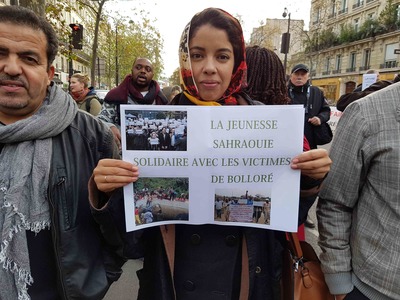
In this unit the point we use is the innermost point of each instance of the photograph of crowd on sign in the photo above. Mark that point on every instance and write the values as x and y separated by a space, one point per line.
161 199
234 206
156 130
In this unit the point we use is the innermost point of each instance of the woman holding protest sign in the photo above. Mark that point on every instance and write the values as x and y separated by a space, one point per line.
204 261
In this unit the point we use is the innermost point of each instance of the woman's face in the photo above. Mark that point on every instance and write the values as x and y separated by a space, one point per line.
212 61
75 85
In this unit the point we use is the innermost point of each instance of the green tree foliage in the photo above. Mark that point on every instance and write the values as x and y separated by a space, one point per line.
54 14
370 28
38 6
327 38
124 40
347 34
179 185
175 79
388 18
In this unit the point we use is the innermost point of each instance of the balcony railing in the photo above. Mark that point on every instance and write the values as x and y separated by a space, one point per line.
368 1
326 72
389 64
352 69
364 68
342 11
336 71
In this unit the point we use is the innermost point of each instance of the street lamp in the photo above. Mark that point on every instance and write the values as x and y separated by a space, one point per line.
286 38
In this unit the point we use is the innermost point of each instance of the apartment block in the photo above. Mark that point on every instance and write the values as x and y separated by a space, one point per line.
349 37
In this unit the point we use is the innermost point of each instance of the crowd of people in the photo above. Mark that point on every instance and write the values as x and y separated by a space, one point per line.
61 177
156 135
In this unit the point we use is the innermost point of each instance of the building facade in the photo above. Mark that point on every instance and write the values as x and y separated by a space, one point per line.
349 37
270 34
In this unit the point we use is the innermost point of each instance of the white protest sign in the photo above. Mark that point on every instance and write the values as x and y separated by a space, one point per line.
368 79
239 155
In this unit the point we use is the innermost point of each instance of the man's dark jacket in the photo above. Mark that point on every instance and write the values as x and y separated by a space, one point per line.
349 98
316 106
86 265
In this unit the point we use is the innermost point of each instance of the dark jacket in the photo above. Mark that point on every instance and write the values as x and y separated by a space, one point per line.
349 98
314 102
215 273
126 93
86 265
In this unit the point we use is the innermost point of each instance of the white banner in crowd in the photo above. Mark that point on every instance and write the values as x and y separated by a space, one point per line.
227 165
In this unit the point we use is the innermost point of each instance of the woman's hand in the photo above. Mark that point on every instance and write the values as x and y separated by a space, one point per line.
111 174
314 163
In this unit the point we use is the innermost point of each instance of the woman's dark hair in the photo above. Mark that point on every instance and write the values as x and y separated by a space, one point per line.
221 20
19 15
266 79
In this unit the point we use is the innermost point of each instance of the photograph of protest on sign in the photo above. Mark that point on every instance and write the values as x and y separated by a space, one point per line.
161 199
236 206
156 130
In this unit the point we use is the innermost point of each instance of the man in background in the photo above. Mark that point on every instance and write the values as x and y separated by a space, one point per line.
317 111
137 88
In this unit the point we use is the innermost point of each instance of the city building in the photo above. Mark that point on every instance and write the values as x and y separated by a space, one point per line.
270 34
349 37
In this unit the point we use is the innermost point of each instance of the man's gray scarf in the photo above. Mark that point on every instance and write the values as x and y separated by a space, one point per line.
24 175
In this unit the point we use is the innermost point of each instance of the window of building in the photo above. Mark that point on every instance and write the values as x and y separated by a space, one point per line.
366 59
338 62
356 24
390 57
352 61
316 15
343 7
327 64
398 11
333 8
358 3
62 64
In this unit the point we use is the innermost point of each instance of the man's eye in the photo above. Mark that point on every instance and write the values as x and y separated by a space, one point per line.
148 69
30 59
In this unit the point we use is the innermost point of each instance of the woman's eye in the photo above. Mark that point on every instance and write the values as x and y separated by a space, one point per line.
224 57
196 56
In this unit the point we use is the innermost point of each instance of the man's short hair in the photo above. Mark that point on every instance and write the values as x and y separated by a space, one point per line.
22 16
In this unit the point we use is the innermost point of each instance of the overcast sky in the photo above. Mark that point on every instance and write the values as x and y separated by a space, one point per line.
172 16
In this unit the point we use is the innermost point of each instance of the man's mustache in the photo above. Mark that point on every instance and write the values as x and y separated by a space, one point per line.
5 79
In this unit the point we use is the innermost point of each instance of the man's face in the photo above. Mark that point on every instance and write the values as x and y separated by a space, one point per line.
24 75
142 74
299 77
